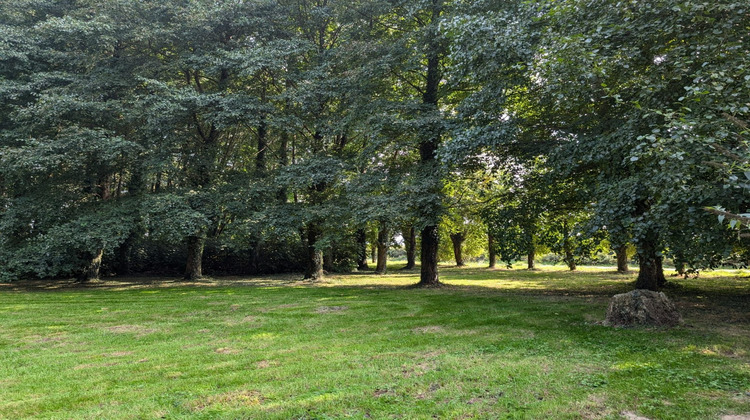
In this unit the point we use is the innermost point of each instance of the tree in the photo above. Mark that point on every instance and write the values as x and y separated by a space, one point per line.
629 124
67 148
462 228
515 225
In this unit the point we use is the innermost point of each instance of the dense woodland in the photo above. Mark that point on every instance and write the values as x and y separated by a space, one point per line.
259 136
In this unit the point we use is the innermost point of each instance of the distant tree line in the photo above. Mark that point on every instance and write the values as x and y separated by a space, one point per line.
259 136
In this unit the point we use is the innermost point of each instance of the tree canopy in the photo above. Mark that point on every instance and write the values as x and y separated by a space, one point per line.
279 135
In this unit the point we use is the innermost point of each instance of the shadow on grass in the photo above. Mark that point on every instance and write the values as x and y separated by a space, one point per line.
550 280
722 294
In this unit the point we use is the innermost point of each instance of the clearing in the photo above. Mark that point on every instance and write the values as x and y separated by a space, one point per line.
491 344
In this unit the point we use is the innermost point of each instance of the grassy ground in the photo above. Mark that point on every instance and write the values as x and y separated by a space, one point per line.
492 344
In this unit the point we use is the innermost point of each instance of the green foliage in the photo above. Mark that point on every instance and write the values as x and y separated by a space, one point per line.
568 235
252 123
648 148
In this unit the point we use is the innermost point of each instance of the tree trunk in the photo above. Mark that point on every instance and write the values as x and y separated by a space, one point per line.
429 273
157 183
491 250
373 253
91 272
570 260
314 269
622 258
194 266
383 238
458 241
679 266
361 250
660 279
650 271
650 274
647 275
427 153
410 241
530 256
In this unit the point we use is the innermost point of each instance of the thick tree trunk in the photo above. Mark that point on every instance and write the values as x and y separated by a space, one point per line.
530 257
410 241
679 266
429 273
383 238
458 241
650 274
491 250
314 269
660 279
200 170
91 272
361 250
427 154
622 258
194 266
570 260
647 275
650 271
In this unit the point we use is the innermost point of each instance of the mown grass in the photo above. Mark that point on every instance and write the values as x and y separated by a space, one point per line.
491 344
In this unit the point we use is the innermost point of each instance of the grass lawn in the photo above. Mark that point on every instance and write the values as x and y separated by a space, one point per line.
491 344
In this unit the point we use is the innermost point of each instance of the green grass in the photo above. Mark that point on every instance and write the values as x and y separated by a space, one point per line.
492 344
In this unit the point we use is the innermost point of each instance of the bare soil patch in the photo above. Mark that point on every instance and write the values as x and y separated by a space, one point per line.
226 350
418 369
433 329
138 330
55 340
234 399
264 364
380 392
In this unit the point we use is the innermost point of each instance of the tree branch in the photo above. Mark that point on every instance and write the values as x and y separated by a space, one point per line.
728 215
